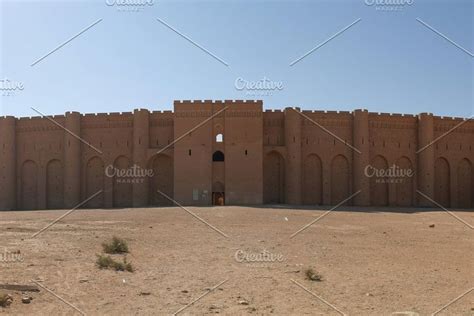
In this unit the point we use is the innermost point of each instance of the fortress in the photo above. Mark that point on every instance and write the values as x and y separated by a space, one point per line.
233 152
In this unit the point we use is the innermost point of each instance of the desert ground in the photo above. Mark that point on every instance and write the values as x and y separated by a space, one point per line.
373 261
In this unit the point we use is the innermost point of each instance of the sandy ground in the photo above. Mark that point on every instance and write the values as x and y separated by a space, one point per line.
373 261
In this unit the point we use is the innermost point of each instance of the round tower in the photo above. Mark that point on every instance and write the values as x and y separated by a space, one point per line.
425 153
72 159
293 156
141 139
361 160
7 163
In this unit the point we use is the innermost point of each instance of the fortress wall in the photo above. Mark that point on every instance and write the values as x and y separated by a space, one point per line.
270 157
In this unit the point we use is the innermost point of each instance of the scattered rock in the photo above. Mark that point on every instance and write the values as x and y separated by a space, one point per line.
243 302
369 294
26 300
408 313
5 300
184 291
144 293
432 225
83 280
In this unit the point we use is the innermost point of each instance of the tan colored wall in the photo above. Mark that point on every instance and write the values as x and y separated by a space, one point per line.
269 157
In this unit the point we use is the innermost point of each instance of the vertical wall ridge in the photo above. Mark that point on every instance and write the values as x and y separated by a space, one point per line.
361 160
72 159
8 163
293 157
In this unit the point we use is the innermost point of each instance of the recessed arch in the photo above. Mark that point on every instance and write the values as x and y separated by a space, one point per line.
465 184
162 180
312 180
95 174
339 179
29 185
442 182
273 178
379 185
404 187
122 185
54 185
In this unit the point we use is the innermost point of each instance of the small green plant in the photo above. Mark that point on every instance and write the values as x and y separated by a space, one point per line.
5 300
123 266
107 262
104 262
312 275
116 245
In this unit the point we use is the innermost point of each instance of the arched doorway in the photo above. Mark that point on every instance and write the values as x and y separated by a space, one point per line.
464 189
95 182
312 180
339 180
122 185
218 193
442 182
54 185
404 188
162 180
218 178
379 185
273 178
29 185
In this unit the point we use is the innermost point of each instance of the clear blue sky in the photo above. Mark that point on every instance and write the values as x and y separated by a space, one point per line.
387 62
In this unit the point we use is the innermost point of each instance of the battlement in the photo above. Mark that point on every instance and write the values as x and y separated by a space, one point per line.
197 102
207 105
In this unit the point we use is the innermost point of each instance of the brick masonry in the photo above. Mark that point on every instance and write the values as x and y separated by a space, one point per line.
265 157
